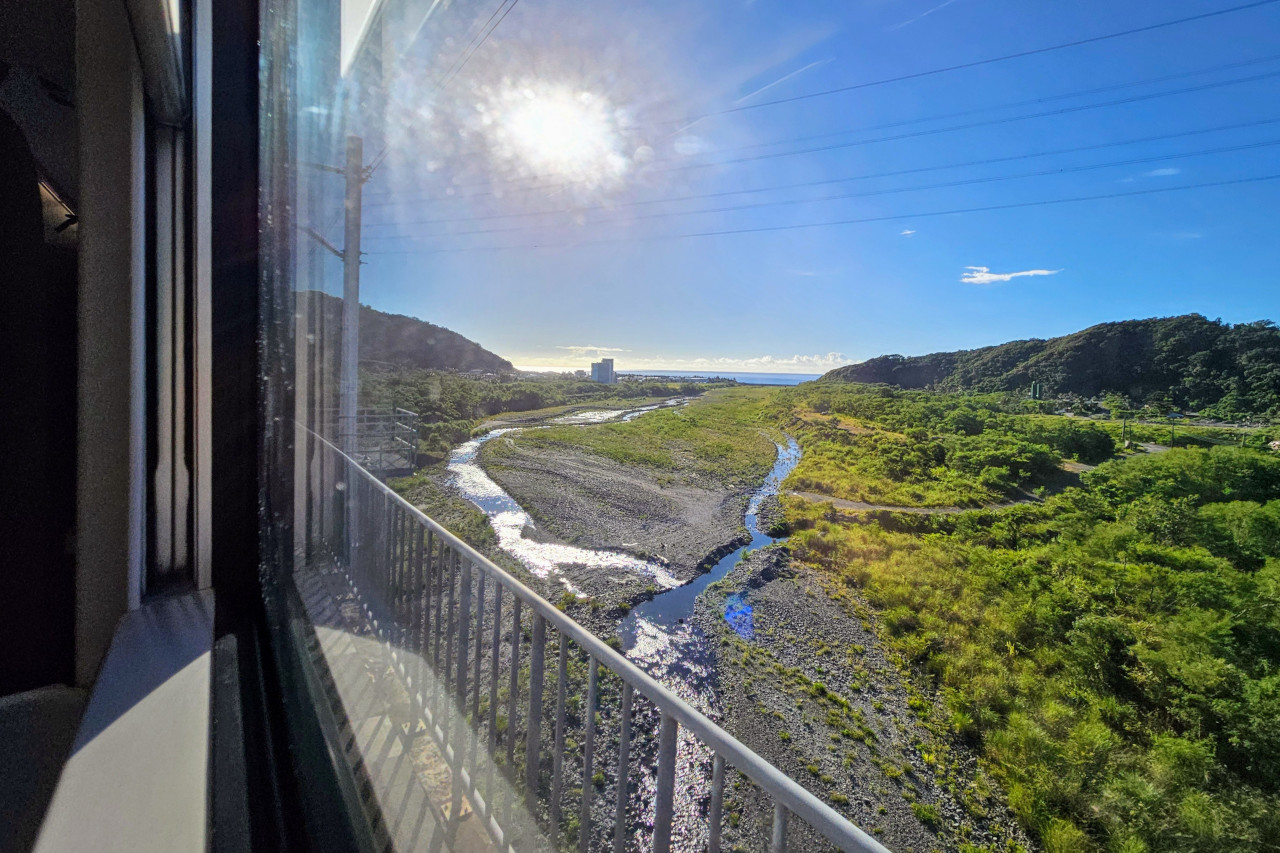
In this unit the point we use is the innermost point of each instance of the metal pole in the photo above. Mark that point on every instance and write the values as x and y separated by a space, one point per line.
349 382
666 784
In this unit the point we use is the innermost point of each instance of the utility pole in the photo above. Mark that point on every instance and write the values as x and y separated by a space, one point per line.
349 382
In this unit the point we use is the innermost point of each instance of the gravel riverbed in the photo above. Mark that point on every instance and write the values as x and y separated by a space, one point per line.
684 520
804 682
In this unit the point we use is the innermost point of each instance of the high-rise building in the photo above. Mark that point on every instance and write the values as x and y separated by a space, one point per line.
602 371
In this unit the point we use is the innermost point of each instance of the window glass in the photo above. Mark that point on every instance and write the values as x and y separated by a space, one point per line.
760 426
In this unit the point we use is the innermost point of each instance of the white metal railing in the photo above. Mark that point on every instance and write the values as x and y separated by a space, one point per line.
471 644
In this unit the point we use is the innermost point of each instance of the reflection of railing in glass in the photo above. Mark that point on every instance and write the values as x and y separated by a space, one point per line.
384 441
542 766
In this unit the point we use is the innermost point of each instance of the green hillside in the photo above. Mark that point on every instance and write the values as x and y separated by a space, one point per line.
1188 362
410 342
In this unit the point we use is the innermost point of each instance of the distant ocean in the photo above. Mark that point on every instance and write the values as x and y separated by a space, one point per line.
744 378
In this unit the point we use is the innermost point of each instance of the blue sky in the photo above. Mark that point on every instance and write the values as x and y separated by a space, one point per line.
592 260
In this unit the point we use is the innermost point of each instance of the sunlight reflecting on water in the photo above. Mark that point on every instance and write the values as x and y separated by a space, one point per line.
509 520
600 416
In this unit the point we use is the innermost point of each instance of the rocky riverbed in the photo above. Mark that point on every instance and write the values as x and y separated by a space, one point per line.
681 519
804 682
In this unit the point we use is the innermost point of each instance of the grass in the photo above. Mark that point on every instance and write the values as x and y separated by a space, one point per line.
915 449
1108 653
724 434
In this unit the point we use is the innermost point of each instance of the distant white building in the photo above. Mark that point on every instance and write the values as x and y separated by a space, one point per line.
1275 445
602 371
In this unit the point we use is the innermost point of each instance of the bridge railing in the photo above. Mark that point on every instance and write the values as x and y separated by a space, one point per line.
554 740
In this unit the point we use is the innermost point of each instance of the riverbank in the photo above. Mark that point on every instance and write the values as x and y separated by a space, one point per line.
804 682
681 519
670 487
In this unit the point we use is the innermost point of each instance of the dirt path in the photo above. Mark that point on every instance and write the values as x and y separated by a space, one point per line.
863 506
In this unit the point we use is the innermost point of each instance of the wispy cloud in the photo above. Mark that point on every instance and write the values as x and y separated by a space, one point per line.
798 363
784 78
925 14
984 275
906 232
590 351
1163 173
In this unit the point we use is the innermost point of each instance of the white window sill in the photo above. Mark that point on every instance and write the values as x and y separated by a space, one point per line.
137 778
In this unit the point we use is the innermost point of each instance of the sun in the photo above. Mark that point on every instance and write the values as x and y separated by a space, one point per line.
559 132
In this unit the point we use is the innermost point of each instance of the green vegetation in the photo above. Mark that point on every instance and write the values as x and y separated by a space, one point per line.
459 516
451 405
723 435
913 448
1112 653
1185 363
397 340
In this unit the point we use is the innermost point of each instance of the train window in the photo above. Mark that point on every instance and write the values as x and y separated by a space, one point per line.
602 512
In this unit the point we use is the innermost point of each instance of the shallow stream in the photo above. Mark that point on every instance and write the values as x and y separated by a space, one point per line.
658 635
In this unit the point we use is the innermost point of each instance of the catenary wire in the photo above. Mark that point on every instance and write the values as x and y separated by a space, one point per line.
980 62
880 139
867 193
453 71
837 222
828 181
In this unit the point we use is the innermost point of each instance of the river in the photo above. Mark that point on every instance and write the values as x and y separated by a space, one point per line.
659 634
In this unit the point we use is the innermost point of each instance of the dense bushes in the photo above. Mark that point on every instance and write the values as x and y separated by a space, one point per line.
913 448
440 397
1113 653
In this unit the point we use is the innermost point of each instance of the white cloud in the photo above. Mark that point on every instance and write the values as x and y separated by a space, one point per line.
1163 173
798 363
984 275
784 78
926 14
905 232
589 351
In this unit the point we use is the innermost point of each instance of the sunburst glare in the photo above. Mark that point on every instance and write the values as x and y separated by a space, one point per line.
557 131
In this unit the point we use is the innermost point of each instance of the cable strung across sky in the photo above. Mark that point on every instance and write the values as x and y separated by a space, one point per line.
681 167
867 193
829 181
979 62
836 222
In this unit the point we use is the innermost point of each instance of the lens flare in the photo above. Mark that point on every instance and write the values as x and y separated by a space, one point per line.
556 131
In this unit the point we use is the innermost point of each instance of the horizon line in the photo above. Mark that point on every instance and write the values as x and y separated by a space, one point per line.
658 370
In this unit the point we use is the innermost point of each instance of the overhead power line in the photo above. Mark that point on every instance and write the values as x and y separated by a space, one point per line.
836 222
897 137
482 34
829 181
988 61
869 193
1098 90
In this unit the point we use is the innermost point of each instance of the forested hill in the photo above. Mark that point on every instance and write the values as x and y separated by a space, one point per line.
1187 362
410 342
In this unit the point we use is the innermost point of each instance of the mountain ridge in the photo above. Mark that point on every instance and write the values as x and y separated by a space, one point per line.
409 341
1186 362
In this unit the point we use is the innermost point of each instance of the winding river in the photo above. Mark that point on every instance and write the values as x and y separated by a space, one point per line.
658 635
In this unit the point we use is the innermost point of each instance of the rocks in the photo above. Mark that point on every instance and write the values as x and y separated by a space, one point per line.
809 688
771 518
683 520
